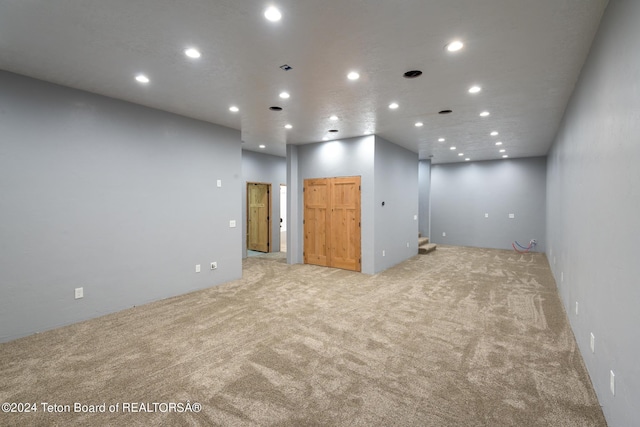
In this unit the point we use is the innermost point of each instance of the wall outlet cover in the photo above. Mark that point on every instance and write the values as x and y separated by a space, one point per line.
79 293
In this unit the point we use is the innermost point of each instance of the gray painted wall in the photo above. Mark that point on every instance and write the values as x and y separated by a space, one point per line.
113 197
349 157
268 169
396 184
424 197
593 214
462 193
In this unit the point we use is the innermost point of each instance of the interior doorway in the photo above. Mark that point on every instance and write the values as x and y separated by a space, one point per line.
258 217
283 218
331 222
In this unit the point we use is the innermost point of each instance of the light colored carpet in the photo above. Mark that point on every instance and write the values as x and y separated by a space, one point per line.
460 337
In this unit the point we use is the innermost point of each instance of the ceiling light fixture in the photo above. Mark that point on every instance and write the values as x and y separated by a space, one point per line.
234 109
192 53
272 14
141 78
460 154
393 105
284 95
441 139
485 114
333 118
503 150
353 76
325 138
467 159
419 124
499 143
288 126
505 156
494 133
455 46
475 89
452 148
262 146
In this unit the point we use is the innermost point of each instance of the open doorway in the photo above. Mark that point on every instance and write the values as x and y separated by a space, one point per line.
283 218
258 217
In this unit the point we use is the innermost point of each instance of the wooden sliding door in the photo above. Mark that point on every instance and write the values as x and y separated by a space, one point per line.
332 222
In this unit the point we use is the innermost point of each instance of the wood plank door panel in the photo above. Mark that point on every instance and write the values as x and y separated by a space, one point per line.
332 222
258 208
345 223
316 200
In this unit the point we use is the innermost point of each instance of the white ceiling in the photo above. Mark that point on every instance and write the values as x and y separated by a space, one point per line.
525 54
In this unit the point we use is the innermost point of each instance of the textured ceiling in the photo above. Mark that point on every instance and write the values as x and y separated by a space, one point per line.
526 55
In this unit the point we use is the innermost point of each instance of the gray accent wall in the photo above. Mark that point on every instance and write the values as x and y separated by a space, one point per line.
593 214
349 157
267 169
462 193
395 223
424 197
113 197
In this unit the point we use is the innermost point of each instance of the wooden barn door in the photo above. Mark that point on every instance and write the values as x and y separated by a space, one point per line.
332 222
258 216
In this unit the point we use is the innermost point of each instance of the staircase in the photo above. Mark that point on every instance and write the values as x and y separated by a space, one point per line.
424 247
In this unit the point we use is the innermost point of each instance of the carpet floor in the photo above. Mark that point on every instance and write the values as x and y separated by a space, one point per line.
459 337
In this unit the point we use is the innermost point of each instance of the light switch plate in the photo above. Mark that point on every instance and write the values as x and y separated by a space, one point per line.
512 216
219 183
232 223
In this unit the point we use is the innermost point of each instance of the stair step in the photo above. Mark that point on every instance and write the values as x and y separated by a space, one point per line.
423 241
425 249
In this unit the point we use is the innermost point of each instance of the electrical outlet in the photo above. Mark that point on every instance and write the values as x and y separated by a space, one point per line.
79 293
612 382
197 268
592 344
214 265
486 215
511 216
232 223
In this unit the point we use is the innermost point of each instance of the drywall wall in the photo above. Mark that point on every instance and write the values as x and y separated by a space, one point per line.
349 157
462 193
593 225
395 222
116 198
267 169
424 197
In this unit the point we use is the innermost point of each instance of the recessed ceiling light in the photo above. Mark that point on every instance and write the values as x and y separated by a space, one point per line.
333 118
503 150
441 139
485 114
419 124
325 138
460 154
467 159
234 109
272 14
353 76
284 95
452 148
393 105
192 53
262 146
141 78
455 46
412 74
505 156
499 143
288 126
494 133
475 89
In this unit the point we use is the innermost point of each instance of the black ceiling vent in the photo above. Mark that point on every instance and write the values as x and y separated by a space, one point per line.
333 130
274 108
445 111
412 74
286 67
